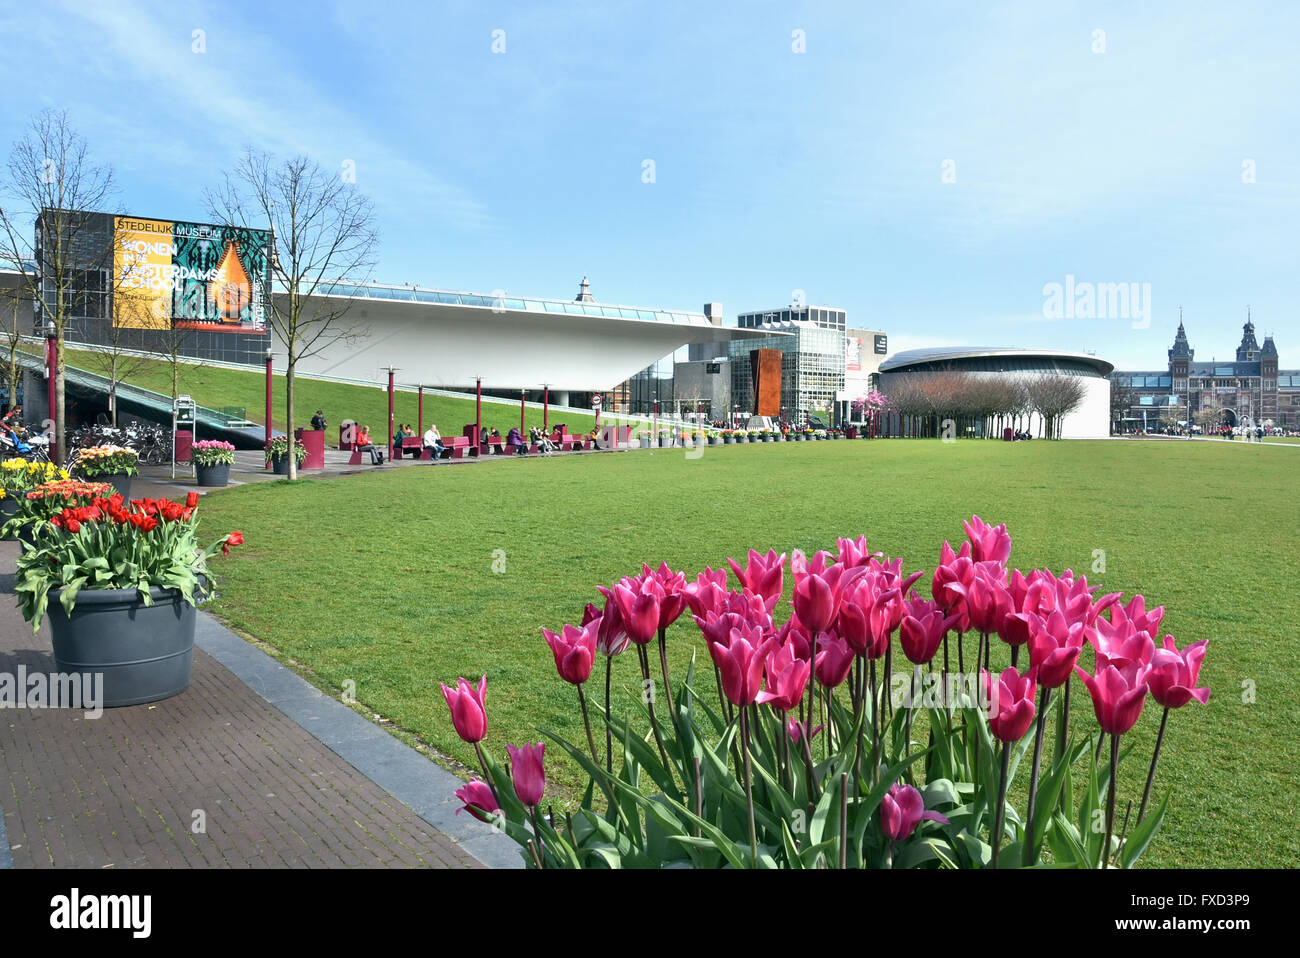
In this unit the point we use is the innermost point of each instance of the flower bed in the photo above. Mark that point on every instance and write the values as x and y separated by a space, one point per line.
49 499
806 759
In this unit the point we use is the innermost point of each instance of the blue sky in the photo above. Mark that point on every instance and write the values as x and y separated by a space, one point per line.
1115 157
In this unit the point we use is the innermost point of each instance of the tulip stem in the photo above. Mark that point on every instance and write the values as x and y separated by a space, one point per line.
663 664
586 720
699 795
749 791
996 836
1063 723
537 831
889 665
875 727
1015 657
609 734
654 722
532 849
961 662
487 777
1151 775
844 820
1043 698
1110 800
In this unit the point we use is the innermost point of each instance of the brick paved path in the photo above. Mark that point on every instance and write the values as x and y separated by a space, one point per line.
122 790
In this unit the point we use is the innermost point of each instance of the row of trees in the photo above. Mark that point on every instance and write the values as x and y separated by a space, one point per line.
954 404
321 230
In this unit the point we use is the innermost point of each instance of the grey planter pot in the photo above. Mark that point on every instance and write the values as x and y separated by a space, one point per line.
714 440
780 438
144 653
280 465
645 442
215 476
664 443
728 440
769 439
742 439
120 481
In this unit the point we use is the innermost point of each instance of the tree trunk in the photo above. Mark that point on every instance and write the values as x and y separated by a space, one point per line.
112 391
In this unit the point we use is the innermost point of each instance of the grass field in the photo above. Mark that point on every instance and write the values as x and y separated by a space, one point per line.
216 387
386 580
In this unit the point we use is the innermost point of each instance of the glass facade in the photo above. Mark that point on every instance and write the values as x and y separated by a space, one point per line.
817 315
812 370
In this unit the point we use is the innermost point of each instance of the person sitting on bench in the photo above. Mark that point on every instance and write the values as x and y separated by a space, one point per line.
542 440
433 442
493 442
365 445
514 438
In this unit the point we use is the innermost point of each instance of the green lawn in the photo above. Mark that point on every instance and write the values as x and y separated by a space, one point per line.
216 387
386 580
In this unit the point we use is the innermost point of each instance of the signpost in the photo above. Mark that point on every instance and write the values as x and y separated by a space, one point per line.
595 405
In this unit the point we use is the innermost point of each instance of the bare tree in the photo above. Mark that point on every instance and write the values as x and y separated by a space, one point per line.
321 233
11 301
1054 397
53 189
1123 398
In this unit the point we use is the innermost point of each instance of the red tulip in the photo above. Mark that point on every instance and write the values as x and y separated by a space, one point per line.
987 543
1117 695
191 500
1174 674
1054 646
763 575
1011 703
235 538
479 800
468 713
528 772
834 660
787 676
740 665
574 650
901 809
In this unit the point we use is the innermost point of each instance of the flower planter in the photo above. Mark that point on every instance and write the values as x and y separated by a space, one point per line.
9 507
645 442
780 438
143 652
280 465
728 440
714 440
216 476
769 439
665 442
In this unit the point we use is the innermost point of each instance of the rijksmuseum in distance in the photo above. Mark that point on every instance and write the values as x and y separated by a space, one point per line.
1248 389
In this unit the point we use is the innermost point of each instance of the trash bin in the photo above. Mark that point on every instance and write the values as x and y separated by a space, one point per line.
851 432
1008 434
184 444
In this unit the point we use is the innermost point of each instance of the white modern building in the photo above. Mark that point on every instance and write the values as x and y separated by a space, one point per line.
1091 420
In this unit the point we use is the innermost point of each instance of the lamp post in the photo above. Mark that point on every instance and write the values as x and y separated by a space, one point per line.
546 408
52 364
397 454
268 403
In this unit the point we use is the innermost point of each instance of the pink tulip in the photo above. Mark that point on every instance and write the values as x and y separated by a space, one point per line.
528 772
707 593
787 676
468 713
672 585
953 575
1011 703
1120 642
1136 613
987 543
801 565
922 629
763 575
574 650
1054 646
815 600
987 598
740 665
612 639
795 729
479 800
638 604
1174 674
834 660
901 809
794 632
1117 695
855 552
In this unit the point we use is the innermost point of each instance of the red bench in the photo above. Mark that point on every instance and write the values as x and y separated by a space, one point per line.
409 442
457 446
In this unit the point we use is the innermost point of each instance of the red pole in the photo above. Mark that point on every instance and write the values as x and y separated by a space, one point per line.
268 401
52 360
522 428
546 410
478 414
420 421
398 453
